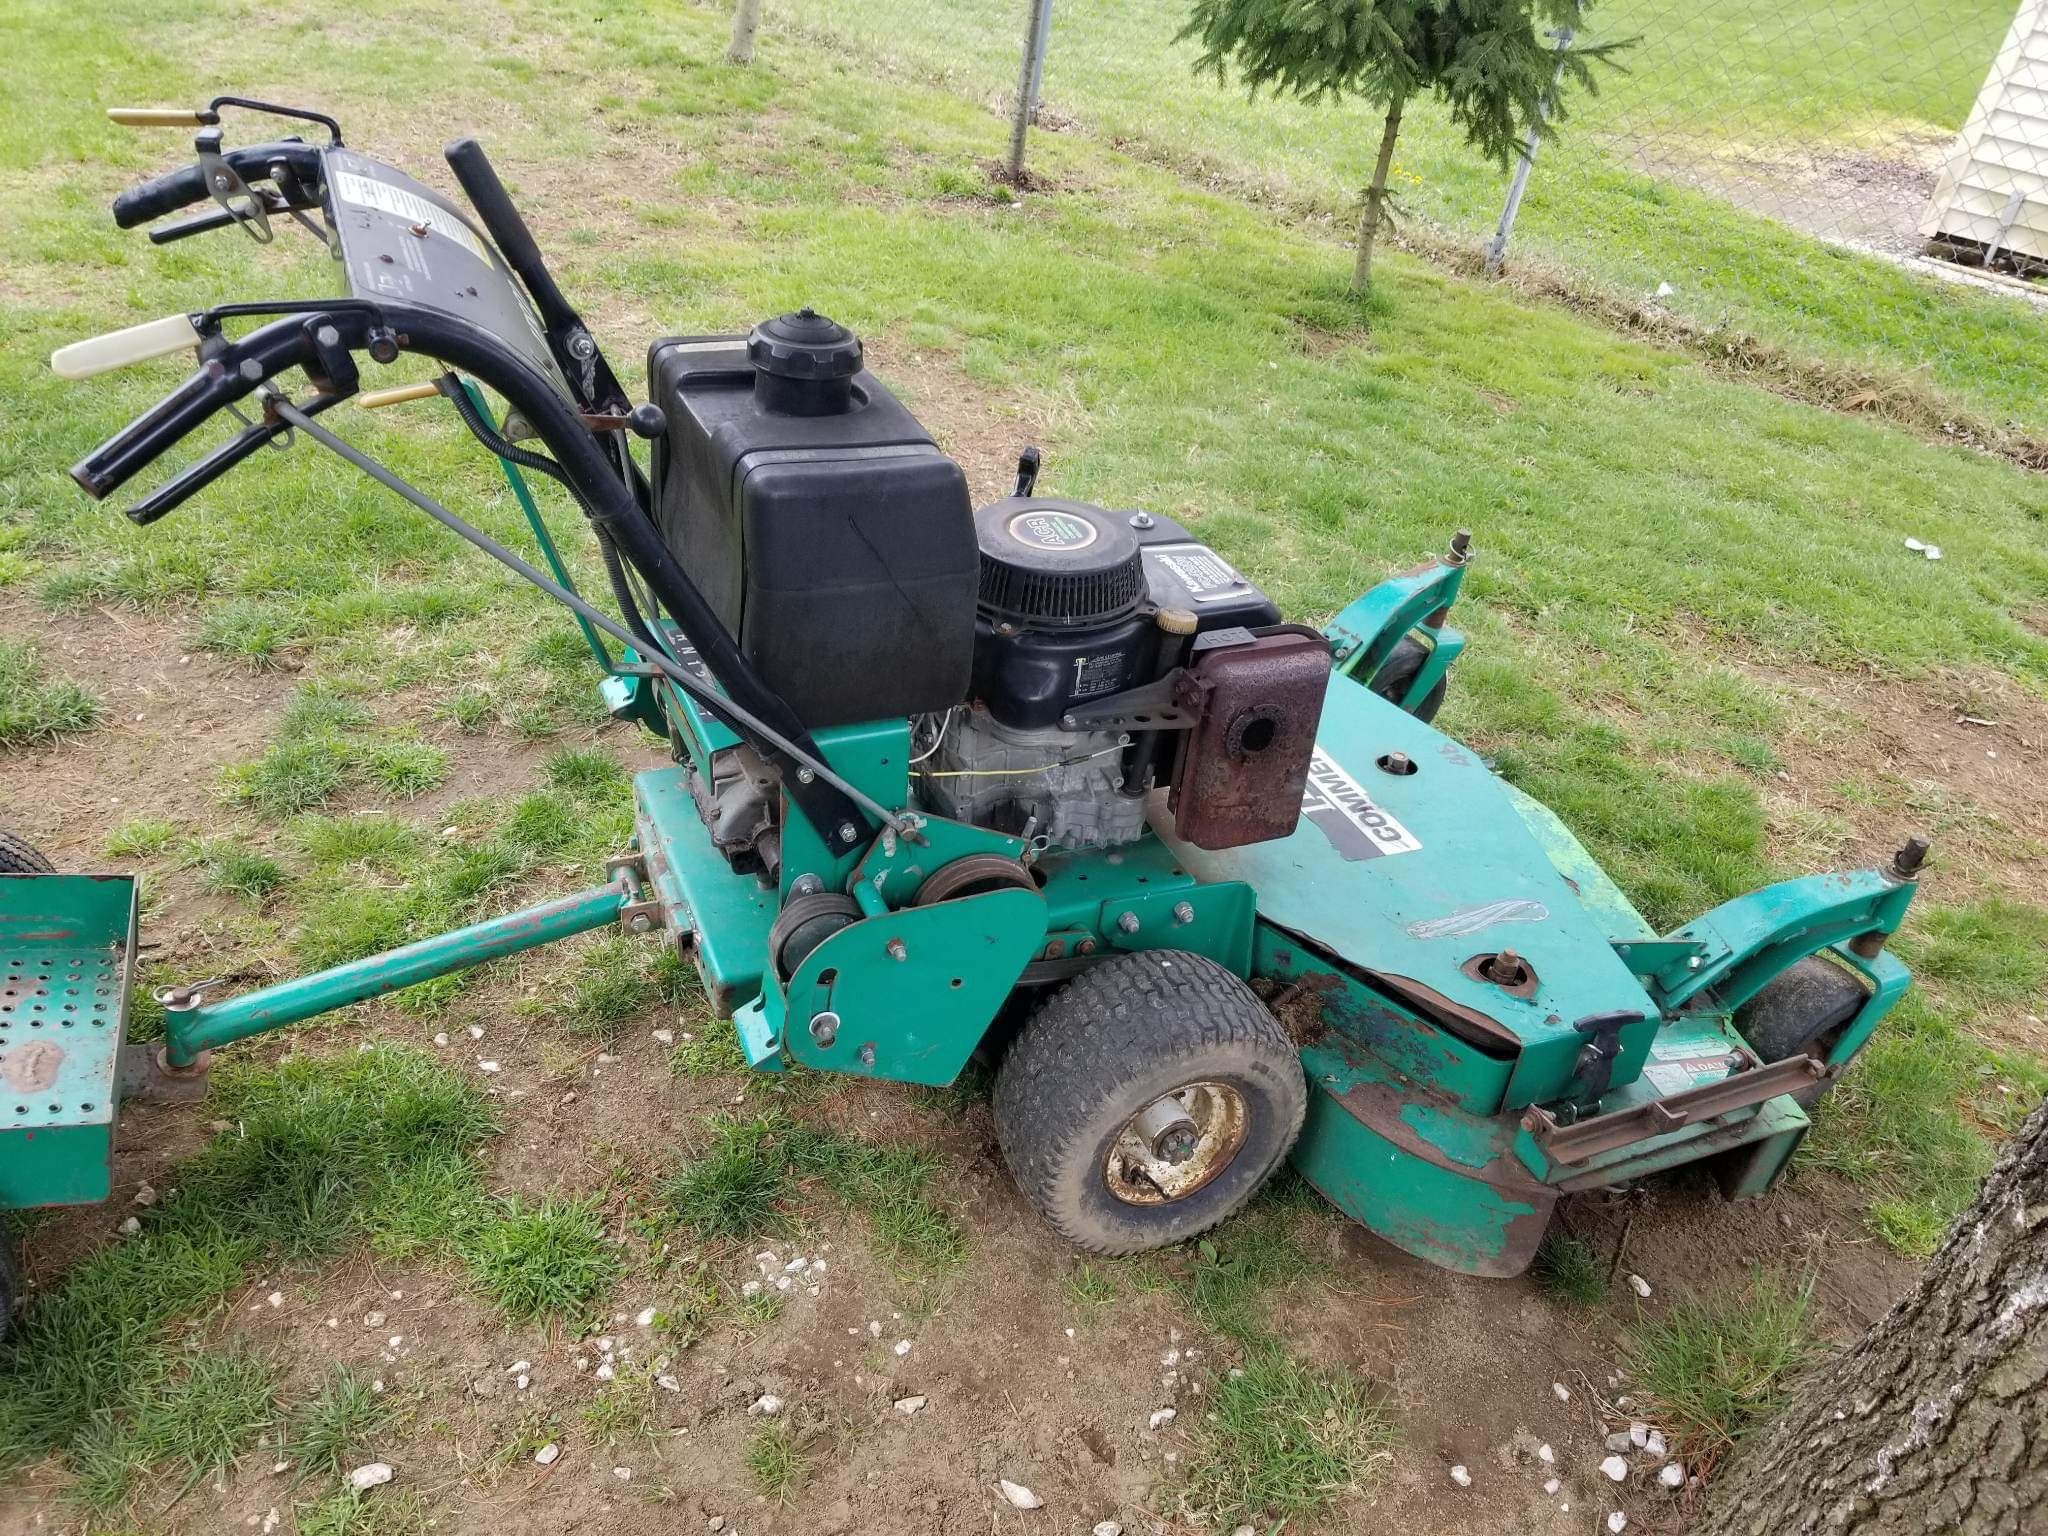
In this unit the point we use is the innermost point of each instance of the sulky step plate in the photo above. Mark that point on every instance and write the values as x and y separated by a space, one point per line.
66 954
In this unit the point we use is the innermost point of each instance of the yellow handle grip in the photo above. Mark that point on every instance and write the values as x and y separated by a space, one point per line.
156 117
376 399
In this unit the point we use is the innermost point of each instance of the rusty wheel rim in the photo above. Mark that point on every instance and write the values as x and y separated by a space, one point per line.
1177 1144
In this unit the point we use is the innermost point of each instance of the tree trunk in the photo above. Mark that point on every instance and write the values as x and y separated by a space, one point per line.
1376 199
1937 1418
746 21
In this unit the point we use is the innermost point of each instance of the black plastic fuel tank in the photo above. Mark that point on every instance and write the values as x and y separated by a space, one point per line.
822 523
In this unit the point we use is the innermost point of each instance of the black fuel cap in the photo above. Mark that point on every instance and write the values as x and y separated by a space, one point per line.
804 364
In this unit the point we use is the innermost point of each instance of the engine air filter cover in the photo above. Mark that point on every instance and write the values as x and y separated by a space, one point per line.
1048 563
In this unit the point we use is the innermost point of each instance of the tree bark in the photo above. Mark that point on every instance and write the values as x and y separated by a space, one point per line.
1376 199
746 21
1937 1418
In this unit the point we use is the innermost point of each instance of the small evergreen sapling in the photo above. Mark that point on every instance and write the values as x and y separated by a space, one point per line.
1495 63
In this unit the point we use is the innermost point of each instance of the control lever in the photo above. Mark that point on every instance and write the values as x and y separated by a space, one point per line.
217 218
118 349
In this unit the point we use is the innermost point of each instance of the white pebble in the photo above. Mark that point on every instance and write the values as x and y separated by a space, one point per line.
1639 1285
517 1366
668 1383
1616 1522
1671 1474
1653 1444
605 1371
765 1258
908 1405
1551 1485
664 1037
1615 1469
1107 1528
441 1037
547 1453
522 1381
1638 1433
1018 1495
751 1288
487 1066
1161 1417
275 1298
902 1348
373 1319
130 1227
874 1330
145 1194
1461 1477
476 1031
766 1406
1564 1393
623 1474
794 1265
370 1475
782 1282
1546 1455
644 1318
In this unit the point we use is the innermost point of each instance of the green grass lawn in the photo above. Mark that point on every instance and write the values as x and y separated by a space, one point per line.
1814 73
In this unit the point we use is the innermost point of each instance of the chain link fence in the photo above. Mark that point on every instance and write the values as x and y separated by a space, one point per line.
1859 182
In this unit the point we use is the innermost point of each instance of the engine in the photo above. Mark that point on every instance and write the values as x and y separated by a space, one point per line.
1058 660
1083 618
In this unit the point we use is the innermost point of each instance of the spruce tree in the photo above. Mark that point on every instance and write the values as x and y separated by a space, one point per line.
1495 63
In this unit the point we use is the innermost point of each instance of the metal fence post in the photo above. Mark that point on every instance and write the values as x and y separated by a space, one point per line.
1028 79
1041 37
1497 247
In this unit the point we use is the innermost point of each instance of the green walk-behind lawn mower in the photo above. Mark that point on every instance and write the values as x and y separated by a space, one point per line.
1044 780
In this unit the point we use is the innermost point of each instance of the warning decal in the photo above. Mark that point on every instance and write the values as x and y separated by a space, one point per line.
1347 816
405 205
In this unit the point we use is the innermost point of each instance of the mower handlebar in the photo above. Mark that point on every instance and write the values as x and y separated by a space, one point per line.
185 186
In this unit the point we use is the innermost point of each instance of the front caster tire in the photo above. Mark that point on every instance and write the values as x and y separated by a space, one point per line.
1802 1011
1146 1101
1399 671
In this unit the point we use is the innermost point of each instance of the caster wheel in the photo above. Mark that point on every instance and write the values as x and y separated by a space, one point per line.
1399 670
1801 1011
1146 1101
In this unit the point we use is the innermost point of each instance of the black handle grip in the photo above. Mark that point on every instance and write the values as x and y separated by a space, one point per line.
187 185
508 231
159 195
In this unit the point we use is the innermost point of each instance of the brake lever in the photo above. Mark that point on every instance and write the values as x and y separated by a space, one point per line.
216 218
180 488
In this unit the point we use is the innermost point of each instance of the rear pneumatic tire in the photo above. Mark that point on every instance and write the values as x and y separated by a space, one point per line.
1802 1010
1400 669
20 858
1162 1037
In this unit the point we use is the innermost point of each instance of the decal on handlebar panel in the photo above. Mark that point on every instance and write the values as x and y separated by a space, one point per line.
405 242
405 205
